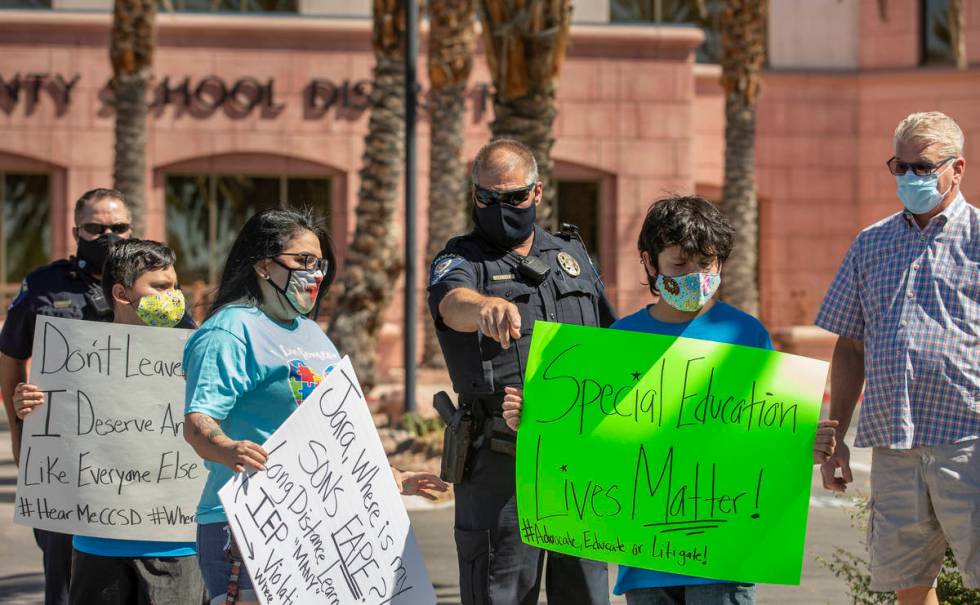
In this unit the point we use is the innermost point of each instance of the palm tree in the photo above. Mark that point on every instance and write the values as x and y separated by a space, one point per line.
373 258
131 47
957 32
451 42
743 42
525 45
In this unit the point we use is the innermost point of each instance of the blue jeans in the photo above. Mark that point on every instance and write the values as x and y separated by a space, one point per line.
212 540
703 594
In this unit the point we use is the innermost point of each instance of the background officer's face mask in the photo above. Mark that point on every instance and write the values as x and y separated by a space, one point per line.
93 253
504 225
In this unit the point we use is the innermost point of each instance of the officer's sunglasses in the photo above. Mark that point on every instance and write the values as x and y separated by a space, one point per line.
100 228
899 168
514 197
308 262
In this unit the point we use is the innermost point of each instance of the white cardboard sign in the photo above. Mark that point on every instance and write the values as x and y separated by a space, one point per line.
324 523
105 454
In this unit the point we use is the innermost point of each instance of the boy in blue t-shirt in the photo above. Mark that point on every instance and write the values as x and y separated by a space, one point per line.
139 280
683 244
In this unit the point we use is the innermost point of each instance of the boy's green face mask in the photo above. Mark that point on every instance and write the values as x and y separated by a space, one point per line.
163 309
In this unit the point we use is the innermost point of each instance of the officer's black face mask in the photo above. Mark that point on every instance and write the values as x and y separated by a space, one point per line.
504 225
92 253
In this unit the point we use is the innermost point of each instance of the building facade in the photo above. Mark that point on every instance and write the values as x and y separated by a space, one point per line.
264 102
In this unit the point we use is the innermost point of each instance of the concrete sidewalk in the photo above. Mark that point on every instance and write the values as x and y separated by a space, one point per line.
20 560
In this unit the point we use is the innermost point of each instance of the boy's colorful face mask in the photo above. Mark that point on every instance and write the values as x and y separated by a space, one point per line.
163 309
690 292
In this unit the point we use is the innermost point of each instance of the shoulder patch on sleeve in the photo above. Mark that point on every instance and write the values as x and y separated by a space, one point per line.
21 295
442 265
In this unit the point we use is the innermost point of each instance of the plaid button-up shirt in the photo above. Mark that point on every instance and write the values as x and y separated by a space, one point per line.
913 296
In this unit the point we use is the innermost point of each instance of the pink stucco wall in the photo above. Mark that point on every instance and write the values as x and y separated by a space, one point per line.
635 114
626 103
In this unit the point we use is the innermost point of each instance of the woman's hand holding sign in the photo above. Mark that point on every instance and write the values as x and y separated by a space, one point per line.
210 442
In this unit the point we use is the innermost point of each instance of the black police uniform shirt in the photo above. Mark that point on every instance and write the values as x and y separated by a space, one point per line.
570 294
56 290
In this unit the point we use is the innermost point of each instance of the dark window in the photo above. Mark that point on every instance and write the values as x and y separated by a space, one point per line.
578 204
675 12
205 213
25 4
937 47
25 224
231 6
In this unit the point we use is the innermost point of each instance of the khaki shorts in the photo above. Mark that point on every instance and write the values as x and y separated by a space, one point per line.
921 500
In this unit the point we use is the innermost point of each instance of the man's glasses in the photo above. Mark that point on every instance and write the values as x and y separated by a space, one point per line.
309 262
514 197
899 168
100 228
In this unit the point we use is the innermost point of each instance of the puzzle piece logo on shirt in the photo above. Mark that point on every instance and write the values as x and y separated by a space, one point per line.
303 380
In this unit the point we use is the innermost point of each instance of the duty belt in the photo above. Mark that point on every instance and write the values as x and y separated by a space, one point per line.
490 429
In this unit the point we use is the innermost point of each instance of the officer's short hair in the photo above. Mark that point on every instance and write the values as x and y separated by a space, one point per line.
520 156
690 222
95 195
129 259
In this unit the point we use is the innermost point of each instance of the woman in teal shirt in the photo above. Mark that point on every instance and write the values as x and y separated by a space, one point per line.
250 365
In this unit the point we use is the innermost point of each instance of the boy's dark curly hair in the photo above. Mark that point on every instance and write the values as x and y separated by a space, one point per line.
690 222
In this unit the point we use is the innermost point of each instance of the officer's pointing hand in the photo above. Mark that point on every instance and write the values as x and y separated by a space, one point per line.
500 320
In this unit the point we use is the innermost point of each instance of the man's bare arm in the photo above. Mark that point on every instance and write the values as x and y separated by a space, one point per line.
846 382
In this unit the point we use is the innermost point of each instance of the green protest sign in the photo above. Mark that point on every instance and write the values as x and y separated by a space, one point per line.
667 453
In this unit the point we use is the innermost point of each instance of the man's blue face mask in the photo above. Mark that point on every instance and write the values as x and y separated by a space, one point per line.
920 194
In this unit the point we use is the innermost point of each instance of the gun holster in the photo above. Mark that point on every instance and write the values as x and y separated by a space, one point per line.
457 440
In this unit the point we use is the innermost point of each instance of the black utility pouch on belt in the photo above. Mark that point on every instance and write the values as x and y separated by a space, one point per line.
457 440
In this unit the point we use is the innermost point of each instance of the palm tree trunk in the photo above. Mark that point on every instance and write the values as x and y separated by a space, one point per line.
132 42
957 32
374 261
451 42
743 27
525 44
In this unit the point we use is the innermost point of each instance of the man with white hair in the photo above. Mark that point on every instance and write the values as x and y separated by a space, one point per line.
906 308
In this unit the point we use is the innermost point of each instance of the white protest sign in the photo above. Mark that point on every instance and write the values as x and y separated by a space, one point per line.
105 454
324 523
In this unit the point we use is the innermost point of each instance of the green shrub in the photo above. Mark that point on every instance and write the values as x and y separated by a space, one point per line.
853 569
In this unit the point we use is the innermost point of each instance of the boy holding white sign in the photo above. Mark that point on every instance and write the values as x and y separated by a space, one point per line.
683 244
139 279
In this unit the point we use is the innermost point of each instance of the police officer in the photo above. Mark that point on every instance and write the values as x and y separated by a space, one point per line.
66 288
485 291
